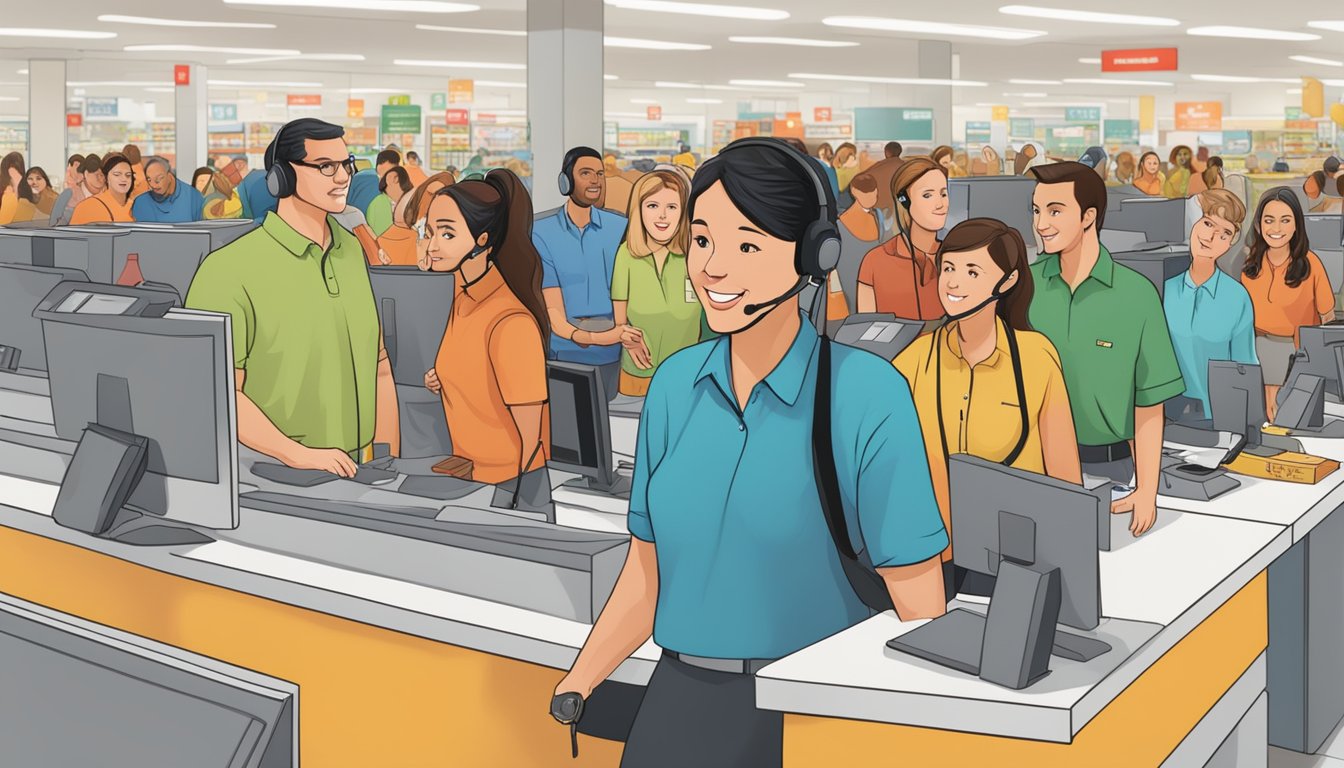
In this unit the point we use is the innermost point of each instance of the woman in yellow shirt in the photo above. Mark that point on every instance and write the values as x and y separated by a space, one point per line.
114 202
1181 171
986 384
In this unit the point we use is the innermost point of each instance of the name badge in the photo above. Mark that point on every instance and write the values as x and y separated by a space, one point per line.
1104 344
835 282
690 293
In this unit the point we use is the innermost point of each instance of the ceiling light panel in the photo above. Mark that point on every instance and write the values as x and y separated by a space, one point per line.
1106 81
913 26
1035 82
300 57
458 64
1330 26
1091 17
386 6
1315 60
66 34
767 83
473 30
111 18
702 9
651 45
1252 33
801 42
889 80
180 48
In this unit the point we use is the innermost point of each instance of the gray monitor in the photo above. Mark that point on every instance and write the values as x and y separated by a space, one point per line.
169 379
58 248
167 255
884 335
1005 198
581 428
222 231
1325 230
22 288
1064 517
78 693
1158 265
1237 398
1159 219
1316 356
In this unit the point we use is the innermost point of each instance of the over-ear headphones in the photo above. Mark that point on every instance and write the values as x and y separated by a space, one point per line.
280 177
572 157
819 251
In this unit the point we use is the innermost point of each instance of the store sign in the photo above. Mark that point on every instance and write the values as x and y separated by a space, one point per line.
1022 127
223 113
1082 114
893 124
354 108
821 114
401 118
1199 115
1237 142
1121 131
399 100
654 112
1313 97
74 120
304 100
978 132
1139 60
1295 118
438 101
999 114
461 91
182 74
100 107
457 117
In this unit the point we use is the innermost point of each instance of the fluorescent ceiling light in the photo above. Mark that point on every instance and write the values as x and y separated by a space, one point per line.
1027 95
702 9
643 101
1332 26
1105 81
120 83
1252 33
798 41
458 64
1333 83
301 57
263 84
1240 79
112 18
1060 104
889 80
473 30
610 77
767 84
403 6
500 84
1314 60
930 27
180 48
651 45
21 72
70 34
161 90
1087 60
1294 91
9 98
692 100
1036 82
1064 14
694 86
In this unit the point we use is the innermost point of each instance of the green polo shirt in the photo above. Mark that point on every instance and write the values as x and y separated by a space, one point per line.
662 305
305 329
1113 342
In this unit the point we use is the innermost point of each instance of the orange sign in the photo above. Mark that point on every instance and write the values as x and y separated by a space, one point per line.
787 128
182 74
1140 60
1199 115
1313 97
461 91
821 114
304 100
655 112
74 120
354 108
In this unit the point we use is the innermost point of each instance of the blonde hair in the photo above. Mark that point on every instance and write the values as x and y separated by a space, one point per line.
1225 205
636 237
911 171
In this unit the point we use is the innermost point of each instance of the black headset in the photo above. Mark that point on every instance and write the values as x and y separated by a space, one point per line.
903 200
280 176
572 157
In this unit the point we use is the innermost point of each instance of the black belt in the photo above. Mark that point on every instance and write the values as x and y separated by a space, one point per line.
728 666
1104 454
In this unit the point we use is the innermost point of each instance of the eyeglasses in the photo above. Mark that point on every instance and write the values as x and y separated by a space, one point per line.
329 168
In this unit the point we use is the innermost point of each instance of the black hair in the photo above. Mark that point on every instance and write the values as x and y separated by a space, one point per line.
773 192
1088 188
1299 266
38 170
90 164
388 156
403 180
293 139
412 155
1331 165
892 149
202 171
574 155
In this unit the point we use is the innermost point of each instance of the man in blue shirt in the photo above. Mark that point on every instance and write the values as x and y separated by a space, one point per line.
578 245
256 198
168 199
1209 313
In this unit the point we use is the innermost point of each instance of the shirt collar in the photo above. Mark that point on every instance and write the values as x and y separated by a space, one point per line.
287 236
594 218
1000 343
786 380
476 293
1210 285
1103 271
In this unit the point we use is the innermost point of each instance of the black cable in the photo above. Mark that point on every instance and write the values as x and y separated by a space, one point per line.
1016 357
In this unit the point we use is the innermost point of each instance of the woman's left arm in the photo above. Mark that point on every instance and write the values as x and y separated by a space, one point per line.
527 420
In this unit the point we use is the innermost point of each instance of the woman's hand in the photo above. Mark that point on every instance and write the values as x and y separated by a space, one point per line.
432 381
383 258
632 339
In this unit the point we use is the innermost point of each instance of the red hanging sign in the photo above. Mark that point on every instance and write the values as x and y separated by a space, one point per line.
1139 60
74 120
182 74
458 117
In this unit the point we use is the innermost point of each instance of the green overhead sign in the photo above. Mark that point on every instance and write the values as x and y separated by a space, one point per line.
893 124
1121 131
401 118
1022 127
1082 114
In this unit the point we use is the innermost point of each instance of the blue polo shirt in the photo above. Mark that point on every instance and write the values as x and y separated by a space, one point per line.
256 198
1214 321
747 568
363 188
183 205
579 263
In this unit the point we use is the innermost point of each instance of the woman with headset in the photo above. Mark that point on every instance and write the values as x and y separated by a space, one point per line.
113 204
733 559
986 384
899 277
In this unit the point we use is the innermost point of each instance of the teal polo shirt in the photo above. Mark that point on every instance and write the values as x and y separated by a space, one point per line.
747 568
1213 321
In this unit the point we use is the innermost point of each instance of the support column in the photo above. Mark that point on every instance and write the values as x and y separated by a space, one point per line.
935 61
46 116
191 110
564 87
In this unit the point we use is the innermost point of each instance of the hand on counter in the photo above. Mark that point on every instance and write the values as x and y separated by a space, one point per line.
332 460
432 381
1143 505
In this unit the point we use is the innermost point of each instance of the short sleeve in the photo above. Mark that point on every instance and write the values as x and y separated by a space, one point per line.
1056 389
1324 296
867 266
215 290
650 446
1243 333
519 360
379 214
620 275
1157 375
549 277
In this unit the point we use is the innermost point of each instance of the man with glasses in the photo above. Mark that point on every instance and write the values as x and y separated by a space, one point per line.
314 383
169 199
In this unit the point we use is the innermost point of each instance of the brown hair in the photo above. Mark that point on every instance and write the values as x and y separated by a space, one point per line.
1224 205
418 202
863 182
1176 150
15 160
1088 188
843 153
912 171
1124 167
1009 253
650 184
939 153
132 154
825 153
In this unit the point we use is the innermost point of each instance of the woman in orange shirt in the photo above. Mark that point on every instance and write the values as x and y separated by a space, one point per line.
114 202
13 188
892 279
1288 286
1149 181
491 366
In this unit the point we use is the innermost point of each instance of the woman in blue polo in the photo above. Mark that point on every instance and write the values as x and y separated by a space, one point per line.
731 563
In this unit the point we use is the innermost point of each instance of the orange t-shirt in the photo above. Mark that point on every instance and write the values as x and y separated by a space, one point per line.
102 207
1280 310
492 357
398 243
902 288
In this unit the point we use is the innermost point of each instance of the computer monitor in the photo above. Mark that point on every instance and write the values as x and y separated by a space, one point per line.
167 255
1005 198
1325 230
884 335
222 231
79 693
1315 355
581 429
1158 266
22 288
1237 399
169 379
1161 220
413 307
55 248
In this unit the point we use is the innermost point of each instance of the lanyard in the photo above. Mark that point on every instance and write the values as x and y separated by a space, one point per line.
1017 379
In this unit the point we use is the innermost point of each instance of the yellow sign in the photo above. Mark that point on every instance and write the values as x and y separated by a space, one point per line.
1147 113
1313 97
1000 114
461 91
354 108
400 100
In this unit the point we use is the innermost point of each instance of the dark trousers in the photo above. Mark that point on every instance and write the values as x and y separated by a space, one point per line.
695 717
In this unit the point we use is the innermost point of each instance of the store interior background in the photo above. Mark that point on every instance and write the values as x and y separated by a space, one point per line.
675 77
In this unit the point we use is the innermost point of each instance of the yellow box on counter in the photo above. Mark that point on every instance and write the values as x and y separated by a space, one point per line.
1287 466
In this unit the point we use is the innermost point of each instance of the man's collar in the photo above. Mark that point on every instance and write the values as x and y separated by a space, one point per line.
786 380
1103 270
284 234
1210 285
594 217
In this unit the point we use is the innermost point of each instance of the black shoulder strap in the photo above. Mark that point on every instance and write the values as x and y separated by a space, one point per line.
1021 397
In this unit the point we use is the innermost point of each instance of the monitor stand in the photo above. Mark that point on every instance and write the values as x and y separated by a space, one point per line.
618 488
142 530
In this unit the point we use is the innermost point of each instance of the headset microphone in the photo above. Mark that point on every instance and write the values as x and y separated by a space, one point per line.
797 288
994 295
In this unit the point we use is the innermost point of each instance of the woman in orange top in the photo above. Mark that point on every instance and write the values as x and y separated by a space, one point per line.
397 246
1288 286
491 367
891 278
114 202
13 188
44 197
1150 180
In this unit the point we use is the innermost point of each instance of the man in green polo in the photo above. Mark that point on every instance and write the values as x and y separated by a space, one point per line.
1106 321
314 384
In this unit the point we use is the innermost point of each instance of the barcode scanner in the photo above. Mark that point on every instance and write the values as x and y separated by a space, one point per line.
567 709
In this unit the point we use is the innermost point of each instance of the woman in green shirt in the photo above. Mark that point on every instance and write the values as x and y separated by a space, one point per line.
650 287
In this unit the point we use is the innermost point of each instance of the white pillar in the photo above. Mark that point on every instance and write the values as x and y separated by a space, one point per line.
564 87
935 61
191 111
46 117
